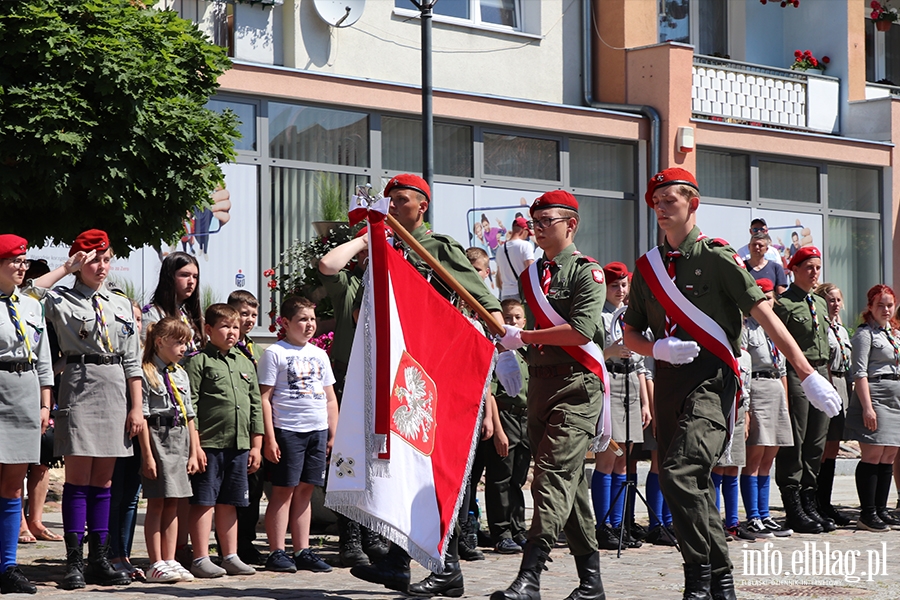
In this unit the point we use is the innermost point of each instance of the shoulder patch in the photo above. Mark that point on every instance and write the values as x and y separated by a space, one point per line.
585 258
598 275
739 261
718 242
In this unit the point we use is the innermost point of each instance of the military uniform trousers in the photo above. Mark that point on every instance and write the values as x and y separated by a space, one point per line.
798 465
562 420
692 404
504 478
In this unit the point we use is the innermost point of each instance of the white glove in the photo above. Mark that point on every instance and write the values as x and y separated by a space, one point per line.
512 339
822 394
675 351
508 373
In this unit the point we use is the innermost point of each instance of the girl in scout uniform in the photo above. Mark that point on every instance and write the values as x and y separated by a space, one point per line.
26 379
873 417
168 457
841 351
94 425
769 422
177 294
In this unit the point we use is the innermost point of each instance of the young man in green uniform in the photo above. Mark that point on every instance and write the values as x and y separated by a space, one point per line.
410 195
797 467
564 400
695 388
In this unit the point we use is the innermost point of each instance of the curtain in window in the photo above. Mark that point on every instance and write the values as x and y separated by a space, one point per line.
499 12
606 230
519 156
853 261
713 25
318 135
892 56
601 165
788 182
723 175
852 188
401 147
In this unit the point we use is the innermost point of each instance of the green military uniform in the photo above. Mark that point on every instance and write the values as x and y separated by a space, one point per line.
798 465
564 403
505 476
693 400
344 288
248 516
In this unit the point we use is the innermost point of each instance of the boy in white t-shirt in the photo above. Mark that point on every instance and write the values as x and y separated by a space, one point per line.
300 412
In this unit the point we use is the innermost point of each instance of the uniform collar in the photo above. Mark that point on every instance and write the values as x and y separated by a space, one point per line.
565 254
89 292
216 353
687 245
420 232
797 291
609 307
158 363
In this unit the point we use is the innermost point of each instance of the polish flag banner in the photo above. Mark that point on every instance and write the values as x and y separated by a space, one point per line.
410 417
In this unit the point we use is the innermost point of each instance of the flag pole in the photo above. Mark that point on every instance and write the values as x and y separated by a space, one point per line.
445 275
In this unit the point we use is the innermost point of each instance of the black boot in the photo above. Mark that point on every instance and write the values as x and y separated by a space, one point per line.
351 551
374 544
527 584
449 583
722 587
866 487
74 577
590 586
882 490
696 582
468 540
99 571
825 485
795 518
392 571
13 581
808 500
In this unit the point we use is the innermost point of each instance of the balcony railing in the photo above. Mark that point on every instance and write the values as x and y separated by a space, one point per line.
738 92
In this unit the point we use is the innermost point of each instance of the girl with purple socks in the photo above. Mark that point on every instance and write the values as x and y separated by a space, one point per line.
94 425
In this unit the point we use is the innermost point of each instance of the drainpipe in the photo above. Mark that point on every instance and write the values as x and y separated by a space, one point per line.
654 149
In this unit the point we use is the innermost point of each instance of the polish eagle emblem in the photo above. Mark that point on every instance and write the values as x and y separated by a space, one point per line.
413 400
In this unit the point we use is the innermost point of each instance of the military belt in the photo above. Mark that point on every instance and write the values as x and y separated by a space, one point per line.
16 367
94 359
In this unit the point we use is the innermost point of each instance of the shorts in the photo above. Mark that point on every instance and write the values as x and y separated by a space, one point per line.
302 458
225 479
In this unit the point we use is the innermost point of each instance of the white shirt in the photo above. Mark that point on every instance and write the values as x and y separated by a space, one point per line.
771 254
519 251
298 375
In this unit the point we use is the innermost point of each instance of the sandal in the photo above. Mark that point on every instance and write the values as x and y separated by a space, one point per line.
46 535
25 537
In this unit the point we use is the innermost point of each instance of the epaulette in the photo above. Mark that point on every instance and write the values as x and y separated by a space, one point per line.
119 292
586 258
718 242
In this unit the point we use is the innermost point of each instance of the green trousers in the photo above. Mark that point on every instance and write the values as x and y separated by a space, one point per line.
562 420
798 465
504 478
692 404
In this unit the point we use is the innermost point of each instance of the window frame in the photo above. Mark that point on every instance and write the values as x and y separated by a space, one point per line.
528 20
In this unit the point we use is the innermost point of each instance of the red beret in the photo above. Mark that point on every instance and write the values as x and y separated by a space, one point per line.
766 285
522 223
12 245
615 271
92 239
555 199
667 177
408 181
803 254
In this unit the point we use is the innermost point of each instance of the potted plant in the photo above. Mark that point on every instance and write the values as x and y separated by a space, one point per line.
332 203
784 3
804 60
883 15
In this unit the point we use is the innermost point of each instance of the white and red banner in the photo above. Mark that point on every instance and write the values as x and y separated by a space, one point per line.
411 411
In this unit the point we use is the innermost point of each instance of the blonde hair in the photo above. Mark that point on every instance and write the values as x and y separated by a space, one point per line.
165 328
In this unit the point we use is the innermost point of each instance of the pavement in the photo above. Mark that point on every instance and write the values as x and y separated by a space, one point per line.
844 564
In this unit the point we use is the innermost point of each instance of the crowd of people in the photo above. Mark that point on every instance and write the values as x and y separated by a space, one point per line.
716 369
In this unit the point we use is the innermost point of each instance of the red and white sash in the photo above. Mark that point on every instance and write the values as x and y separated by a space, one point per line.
588 355
700 326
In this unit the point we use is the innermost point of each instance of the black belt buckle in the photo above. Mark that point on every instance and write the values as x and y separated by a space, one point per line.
105 359
20 368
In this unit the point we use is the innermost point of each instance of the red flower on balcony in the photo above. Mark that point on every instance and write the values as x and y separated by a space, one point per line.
805 60
825 60
784 3
883 12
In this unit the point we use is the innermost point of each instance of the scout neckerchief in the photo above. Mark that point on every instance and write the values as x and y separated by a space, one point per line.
773 350
836 330
21 335
894 342
101 322
812 312
192 348
175 395
247 349
588 355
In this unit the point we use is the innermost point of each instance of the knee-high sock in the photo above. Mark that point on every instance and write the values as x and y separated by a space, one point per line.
600 488
885 478
10 519
825 481
867 485
717 482
98 511
762 501
617 499
654 499
74 509
730 492
750 495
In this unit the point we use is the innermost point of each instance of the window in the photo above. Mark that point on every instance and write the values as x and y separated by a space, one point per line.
401 147
708 32
853 261
520 156
246 114
318 135
882 55
781 181
615 240
504 13
723 174
601 165
852 188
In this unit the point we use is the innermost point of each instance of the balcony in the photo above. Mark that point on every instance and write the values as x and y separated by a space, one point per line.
736 92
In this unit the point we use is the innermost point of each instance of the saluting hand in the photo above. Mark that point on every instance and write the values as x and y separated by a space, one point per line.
78 260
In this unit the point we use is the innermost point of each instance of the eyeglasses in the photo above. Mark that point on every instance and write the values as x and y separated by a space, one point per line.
21 263
759 229
545 223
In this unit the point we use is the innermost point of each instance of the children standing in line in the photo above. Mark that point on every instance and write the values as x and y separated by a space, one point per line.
168 455
229 428
300 412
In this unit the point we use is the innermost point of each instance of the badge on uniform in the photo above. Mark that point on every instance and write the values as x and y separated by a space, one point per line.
598 275
127 328
698 272
245 377
739 261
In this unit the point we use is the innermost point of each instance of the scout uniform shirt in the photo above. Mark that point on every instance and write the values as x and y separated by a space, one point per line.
343 289
453 258
158 402
30 314
794 310
577 292
710 275
226 398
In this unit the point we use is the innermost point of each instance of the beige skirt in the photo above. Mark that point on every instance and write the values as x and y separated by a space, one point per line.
92 411
770 422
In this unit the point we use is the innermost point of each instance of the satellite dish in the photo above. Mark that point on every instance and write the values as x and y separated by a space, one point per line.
340 13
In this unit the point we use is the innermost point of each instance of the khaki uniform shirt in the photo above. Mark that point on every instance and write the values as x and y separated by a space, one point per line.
577 293
343 289
873 353
709 276
31 317
226 398
158 401
793 309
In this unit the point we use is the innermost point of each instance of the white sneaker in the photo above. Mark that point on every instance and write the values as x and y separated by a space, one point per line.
186 575
160 572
